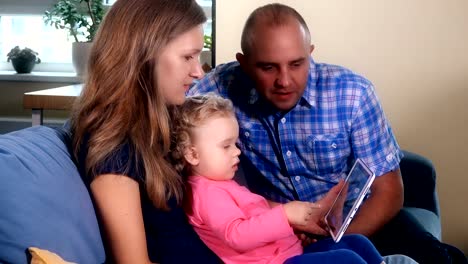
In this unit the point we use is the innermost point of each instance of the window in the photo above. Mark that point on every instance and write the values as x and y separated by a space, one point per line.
53 46
207 7
22 24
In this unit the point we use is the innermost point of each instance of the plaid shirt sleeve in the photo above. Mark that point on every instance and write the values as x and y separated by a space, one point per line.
217 81
371 136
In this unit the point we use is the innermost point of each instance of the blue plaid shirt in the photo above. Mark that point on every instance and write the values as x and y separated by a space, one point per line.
301 154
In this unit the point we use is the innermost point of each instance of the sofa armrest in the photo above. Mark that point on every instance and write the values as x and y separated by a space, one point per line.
43 200
419 179
427 219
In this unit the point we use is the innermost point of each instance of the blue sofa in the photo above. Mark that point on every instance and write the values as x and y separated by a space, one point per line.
44 203
43 200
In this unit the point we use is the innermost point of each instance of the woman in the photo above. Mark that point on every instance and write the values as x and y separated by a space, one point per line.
144 58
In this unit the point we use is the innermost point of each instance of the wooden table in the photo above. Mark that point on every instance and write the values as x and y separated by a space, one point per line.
60 98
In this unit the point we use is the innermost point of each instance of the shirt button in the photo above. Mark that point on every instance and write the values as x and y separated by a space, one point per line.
389 157
297 178
288 153
247 134
283 120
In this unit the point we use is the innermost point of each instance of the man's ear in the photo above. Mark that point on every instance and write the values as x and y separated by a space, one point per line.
191 156
312 47
241 58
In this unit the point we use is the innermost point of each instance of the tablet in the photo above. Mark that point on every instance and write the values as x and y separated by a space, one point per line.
350 197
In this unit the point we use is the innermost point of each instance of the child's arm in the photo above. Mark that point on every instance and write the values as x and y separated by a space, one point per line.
221 214
273 204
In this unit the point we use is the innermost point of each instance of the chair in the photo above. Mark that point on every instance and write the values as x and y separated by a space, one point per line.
420 198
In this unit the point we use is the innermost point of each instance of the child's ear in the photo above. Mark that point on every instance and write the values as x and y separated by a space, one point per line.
191 156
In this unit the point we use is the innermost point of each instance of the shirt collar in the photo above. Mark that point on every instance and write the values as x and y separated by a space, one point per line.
309 97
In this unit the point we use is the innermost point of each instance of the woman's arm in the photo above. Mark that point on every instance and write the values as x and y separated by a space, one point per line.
118 201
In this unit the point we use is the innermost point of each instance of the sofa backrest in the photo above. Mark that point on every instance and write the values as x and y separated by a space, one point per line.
43 200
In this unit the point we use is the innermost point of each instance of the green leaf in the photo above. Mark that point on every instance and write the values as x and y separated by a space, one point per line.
77 16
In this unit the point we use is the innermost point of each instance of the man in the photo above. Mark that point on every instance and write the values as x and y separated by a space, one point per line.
303 124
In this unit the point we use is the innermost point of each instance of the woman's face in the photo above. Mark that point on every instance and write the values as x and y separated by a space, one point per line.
178 65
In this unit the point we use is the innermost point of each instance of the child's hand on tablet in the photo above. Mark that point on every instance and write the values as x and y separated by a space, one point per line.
300 213
314 224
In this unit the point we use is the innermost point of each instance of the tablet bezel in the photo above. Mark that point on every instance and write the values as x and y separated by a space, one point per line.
363 192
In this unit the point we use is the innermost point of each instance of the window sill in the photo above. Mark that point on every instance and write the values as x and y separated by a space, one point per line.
62 77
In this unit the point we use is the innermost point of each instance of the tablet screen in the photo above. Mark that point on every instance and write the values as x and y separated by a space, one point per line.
350 197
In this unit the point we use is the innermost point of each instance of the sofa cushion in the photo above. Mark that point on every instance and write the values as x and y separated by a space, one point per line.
43 201
428 219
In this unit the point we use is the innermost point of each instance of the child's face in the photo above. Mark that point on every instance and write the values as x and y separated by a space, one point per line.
215 154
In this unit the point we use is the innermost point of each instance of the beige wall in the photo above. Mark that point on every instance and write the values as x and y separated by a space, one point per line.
415 52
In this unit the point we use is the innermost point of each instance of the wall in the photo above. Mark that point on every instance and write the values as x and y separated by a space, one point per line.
415 54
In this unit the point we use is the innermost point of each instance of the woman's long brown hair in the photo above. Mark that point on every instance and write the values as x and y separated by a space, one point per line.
120 102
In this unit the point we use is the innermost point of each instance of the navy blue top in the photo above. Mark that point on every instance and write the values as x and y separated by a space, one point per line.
169 236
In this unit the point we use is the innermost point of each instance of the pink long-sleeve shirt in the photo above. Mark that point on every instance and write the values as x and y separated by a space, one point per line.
238 225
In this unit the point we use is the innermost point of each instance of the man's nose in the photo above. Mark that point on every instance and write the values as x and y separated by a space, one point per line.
284 78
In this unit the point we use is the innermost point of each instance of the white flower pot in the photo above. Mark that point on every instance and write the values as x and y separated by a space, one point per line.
80 54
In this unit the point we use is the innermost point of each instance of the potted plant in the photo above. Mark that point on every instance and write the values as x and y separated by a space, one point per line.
23 60
207 42
81 18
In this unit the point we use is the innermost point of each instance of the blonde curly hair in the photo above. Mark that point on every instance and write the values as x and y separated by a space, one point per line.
191 114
